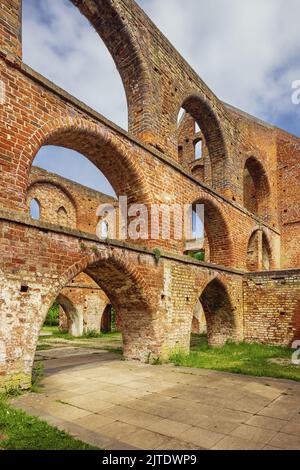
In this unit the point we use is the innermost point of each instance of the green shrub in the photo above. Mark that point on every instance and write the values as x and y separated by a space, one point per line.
200 256
113 320
92 334
52 318
157 254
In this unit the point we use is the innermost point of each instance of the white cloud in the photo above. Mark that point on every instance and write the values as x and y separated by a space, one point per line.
247 51
60 43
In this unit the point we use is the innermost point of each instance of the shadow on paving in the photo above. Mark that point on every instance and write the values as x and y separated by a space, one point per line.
120 405
58 360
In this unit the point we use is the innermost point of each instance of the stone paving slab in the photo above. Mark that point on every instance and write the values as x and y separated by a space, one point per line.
64 352
118 405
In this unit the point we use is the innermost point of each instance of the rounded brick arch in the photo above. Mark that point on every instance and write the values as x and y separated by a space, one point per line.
43 190
59 186
259 255
34 203
219 313
100 146
124 44
74 317
127 291
212 130
256 188
218 233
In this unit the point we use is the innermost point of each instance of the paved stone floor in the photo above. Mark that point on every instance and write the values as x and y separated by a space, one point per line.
125 405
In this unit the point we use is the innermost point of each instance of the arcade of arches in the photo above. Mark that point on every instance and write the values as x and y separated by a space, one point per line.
239 281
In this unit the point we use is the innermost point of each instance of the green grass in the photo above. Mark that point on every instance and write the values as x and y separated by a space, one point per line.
115 335
93 334
44 347
104 341
37 375
248 359
56 333
52 318
19 431
89 335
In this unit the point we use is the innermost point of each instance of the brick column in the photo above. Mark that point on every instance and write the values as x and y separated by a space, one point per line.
11 29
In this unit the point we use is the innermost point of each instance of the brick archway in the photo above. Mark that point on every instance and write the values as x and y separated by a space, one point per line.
219 313
110 20
100 146
59 186
124 42
128 285
217 233
106 320
212 131
75 320
129 295
54 198
256 187
259 253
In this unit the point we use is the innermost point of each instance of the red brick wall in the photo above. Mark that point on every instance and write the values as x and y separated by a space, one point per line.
155 301
88 303
272 307
38 260
80 202
10 30
164 86
45 115
187 139
289 202
153 179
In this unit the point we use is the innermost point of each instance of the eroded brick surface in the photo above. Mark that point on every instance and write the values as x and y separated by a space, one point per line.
272 307
247 178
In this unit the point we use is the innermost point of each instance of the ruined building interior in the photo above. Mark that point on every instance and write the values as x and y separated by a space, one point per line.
183 146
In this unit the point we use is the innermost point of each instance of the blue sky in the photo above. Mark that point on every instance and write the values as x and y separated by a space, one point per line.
247 51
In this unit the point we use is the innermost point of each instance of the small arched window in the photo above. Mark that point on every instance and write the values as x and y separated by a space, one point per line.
35 209
104 229
198 222
62 217
256 188
180 116
198 149
259 255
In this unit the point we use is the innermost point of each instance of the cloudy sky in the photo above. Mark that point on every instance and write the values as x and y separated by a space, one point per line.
247 51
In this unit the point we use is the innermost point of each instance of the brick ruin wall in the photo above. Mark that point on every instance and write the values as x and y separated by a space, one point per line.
272 307
54 192
82 305
271 299
82 302
247 179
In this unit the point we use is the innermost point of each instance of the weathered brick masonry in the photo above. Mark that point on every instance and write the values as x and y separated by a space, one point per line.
82 306
156 301
82 302
272 307
248 181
